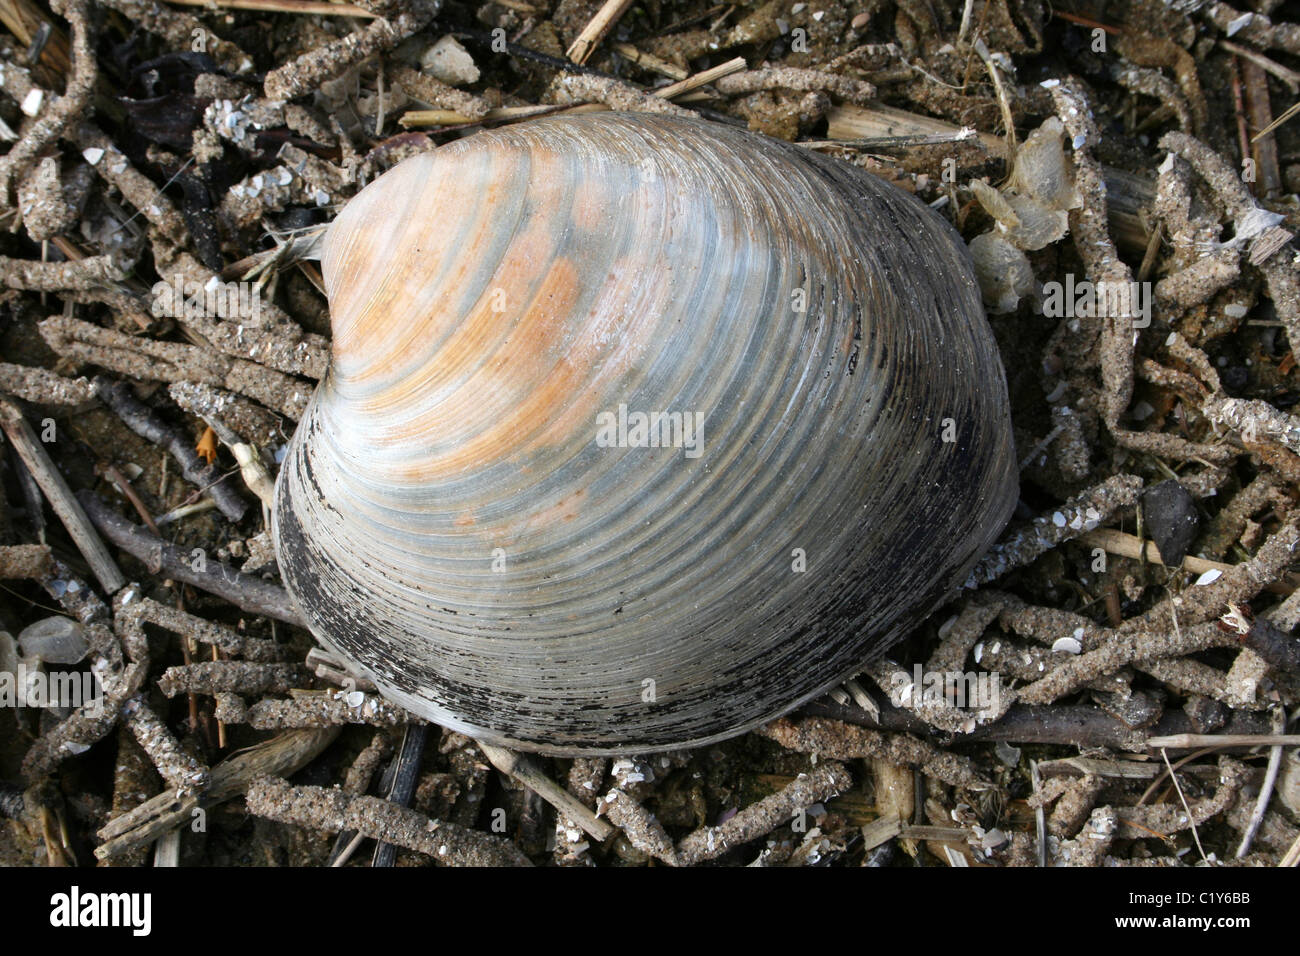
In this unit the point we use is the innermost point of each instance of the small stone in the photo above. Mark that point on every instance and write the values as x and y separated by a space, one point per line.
449 62
1170 514
1206 714
32 101
1136 710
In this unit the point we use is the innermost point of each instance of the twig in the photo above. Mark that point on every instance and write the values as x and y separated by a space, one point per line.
306 7
1280 650
1249 221
982 51
28 23
1119 649
356 783
249 678
186 510
182 771
1061 724
1254 27
406 772
111 164
306 73
81 274
523 770
70 106
60 497
251 467
1077 516
703 78
800 80
1190 741
1268 176
1255 420
639 825
966 10
843 741
1287 75
1097 250
129 621
43 387
1292 857
250 593
236 413
25 561
1207 601
469 107
761 818
1183 799
324 710
1156 84
1040 816
128 492
596 28
649 61
333 810
141 419
1265 788
286 754
56 850
1125 545
1290 112
570 89
1147 50
120 680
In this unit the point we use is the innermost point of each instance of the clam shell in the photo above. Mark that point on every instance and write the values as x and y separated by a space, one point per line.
469 512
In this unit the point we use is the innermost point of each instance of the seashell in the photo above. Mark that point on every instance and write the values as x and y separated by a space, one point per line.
54 640
475 511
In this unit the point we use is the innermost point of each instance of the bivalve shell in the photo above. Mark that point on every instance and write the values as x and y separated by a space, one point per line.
638 432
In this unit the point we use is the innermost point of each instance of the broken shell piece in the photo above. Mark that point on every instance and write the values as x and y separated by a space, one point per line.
1003 272
1041 170
55 640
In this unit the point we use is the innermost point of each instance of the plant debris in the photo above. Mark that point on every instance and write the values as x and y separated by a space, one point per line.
1110 688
